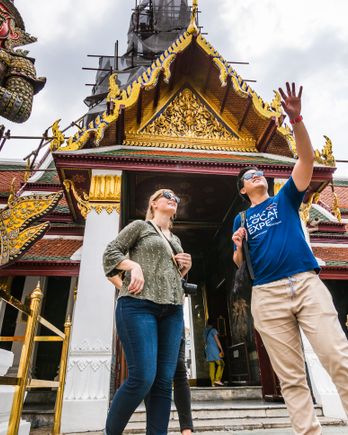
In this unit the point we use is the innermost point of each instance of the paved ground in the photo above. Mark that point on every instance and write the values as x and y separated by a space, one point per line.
326 431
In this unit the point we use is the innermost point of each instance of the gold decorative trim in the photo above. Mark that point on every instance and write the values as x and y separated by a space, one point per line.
82 204
148 140
305 207
105 194
325 156
336 207
105 188
288 134
16 236
223 71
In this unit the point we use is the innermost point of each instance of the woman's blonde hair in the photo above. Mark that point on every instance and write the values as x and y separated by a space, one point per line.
149 212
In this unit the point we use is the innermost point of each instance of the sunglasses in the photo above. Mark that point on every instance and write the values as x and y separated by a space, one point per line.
171 196
250 175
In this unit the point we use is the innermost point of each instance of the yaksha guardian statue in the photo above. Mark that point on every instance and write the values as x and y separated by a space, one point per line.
18 81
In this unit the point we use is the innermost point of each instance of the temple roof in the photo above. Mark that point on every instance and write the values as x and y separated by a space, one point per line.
57 249
190 62
332 255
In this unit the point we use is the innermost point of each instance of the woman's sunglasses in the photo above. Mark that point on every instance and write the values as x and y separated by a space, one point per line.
250 175
171 196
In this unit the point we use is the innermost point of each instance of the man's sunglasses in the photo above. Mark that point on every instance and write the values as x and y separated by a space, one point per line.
171 196
250 175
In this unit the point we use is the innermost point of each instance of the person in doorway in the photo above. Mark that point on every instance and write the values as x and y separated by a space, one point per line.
287 293
149 312
214 354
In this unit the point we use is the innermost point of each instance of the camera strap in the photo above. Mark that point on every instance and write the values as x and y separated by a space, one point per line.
169 246
246 247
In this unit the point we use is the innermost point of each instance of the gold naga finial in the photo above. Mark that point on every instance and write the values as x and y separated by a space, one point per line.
193 28
58 136
326 156
114 90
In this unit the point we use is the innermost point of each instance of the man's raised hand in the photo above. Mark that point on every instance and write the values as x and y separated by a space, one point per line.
291 102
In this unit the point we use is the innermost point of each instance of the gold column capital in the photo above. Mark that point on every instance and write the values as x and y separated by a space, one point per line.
104 194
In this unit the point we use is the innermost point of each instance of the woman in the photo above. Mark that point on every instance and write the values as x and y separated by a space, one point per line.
149 313
214 354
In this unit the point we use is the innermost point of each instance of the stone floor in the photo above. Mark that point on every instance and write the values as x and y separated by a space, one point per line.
326 431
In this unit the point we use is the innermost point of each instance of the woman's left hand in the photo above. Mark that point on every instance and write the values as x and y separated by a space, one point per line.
184 261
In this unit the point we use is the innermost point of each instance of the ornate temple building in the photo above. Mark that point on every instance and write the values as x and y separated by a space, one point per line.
174 114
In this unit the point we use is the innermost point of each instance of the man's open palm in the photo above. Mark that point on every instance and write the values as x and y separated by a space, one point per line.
291 102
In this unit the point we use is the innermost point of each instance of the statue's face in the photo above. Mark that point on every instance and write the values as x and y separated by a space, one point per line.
7 26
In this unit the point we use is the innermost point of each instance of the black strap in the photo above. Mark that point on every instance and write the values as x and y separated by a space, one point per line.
245 246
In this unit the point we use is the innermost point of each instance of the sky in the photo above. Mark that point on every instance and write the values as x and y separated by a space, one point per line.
305 41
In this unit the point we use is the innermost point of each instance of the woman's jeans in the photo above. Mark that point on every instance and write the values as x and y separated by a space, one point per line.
150 334
182 392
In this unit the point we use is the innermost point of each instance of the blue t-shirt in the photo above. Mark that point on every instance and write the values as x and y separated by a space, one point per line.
211 348
277 244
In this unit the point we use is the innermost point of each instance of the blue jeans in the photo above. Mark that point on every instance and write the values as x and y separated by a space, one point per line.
150 334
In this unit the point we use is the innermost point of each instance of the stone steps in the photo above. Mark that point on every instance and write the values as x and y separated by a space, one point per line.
215 411
210 410
224 425
225 393
228 416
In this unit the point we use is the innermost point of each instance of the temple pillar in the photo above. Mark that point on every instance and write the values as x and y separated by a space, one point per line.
190 337
324 390
87 390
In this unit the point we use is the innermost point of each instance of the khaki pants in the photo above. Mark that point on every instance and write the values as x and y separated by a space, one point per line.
279 308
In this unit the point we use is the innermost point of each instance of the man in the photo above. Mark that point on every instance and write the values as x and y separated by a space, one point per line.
287 292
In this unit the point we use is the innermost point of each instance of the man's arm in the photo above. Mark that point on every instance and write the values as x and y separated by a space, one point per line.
303 169
238 256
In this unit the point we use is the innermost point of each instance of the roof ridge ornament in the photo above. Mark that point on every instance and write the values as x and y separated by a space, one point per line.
192 27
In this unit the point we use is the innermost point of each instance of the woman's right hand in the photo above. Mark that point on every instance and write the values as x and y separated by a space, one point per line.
137 280
238 237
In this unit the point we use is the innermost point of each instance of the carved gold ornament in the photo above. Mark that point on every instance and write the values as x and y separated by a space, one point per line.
288 134
305 207
325 156
336 207
192 28
114 90
185 117
58 136
105 194
16 234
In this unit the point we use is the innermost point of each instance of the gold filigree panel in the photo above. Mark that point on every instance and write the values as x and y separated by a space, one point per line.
187 116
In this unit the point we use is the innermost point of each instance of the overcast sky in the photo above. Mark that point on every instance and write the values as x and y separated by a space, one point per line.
298 40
